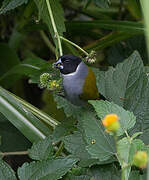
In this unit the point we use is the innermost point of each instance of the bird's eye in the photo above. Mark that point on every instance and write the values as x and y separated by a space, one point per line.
67 61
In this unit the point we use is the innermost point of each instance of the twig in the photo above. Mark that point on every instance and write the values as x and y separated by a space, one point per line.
13 153
75 45
54 28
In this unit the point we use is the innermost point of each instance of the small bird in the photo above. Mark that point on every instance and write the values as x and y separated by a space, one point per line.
79 81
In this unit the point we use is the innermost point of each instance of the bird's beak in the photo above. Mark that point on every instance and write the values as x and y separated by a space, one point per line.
58 64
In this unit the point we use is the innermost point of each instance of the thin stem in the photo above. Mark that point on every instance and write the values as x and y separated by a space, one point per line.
145 5
47 42
75 45
13 153
60 149
54 28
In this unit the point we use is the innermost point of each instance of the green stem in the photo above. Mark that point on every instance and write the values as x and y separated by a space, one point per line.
119 158
145 5
47 42
75 45
13 153
60 149
54 28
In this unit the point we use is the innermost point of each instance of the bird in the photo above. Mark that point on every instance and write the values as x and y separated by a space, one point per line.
79 81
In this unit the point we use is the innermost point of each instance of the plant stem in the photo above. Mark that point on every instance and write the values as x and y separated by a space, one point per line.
54 28
13 153
145 5
60 149
75 45
47 42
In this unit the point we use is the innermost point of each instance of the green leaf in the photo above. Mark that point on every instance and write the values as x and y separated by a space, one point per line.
47 169
21 118
58 15
76 145
100 144
103 108
119 51
135 175
8 58
102 3
65 128
106 172
6 173
127 85
8 134
124 26
69 109
135 8
126 149
109 40
42 150
31 67
11 4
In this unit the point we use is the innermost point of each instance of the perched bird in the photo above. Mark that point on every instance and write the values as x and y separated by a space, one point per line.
79 81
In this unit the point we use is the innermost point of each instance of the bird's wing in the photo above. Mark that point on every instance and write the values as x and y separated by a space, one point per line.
90 90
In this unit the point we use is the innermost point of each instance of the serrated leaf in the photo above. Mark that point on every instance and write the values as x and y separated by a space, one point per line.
127 85
105 172
42 150
103 108
76 145
100 144
58 15
11 4
69 109
49 169
6 172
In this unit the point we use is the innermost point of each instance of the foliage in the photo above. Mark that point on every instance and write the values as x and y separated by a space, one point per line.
78 146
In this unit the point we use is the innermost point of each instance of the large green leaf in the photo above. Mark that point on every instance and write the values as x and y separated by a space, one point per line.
6 173
100 144
103 108
11 4
57 12
76 145
42 150
21 118
127 85
47 169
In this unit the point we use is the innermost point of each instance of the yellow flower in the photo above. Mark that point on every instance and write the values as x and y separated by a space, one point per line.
140 159
111 122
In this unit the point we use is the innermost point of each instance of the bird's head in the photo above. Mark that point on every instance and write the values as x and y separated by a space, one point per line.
67 64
